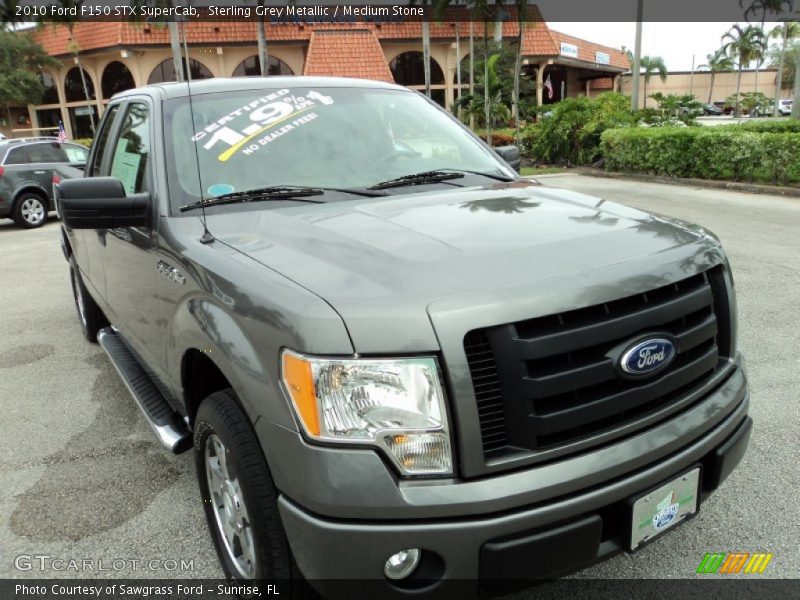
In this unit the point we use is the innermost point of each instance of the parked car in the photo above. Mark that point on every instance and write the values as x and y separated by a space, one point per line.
26 176
785 107
400 367
712 110
693 110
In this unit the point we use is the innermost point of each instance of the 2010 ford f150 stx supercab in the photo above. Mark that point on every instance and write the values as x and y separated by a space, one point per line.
395 359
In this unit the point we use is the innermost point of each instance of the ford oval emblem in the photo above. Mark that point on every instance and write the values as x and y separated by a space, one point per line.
647 357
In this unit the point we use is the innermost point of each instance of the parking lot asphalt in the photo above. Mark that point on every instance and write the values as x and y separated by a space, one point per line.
81 475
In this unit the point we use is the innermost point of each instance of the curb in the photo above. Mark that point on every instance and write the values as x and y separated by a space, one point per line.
732 186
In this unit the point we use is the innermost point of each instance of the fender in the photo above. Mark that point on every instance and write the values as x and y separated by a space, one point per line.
32 186
203 324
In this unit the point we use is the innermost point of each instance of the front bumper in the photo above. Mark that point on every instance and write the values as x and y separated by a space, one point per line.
485 549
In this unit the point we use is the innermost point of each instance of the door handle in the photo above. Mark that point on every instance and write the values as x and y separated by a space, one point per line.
40 172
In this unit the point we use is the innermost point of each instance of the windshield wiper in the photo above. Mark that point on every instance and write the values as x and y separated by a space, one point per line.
299 193
418 179
434 177
496 176
276 192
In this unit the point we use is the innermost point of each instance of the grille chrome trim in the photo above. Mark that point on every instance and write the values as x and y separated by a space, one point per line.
540 386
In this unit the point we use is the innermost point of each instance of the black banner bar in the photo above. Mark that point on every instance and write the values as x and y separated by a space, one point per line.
394 11
706 587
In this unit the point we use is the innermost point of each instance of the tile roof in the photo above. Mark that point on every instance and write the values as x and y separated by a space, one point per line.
96 35
538 39
347 53
587 50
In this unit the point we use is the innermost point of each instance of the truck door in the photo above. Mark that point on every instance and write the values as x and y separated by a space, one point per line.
130 253
88 243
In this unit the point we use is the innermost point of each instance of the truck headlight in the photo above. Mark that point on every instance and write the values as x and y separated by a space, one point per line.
394 404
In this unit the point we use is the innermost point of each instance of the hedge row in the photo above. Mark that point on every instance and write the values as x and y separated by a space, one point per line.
771 126
706 152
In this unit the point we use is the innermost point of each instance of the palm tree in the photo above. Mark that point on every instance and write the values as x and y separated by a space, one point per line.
481 10
261 39
652 65
785 32
520 9
744 44
719 62
764 6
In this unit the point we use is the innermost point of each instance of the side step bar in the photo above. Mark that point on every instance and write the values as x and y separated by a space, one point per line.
168 427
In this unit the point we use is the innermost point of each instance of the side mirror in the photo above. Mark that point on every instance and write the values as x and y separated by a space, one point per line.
100 203
511 155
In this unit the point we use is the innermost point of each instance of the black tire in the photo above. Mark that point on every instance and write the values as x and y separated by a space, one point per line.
221 416
90 317
30 210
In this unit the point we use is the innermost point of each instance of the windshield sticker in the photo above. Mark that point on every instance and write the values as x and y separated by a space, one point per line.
265 119
220 189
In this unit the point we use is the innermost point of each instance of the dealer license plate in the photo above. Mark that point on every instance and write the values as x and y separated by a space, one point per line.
662 509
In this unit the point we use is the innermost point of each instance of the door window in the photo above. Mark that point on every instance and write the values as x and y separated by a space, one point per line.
102 139
132 149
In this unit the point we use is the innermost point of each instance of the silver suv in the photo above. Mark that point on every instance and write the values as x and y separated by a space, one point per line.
26 176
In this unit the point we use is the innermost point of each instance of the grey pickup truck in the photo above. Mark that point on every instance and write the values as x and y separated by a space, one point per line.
396 361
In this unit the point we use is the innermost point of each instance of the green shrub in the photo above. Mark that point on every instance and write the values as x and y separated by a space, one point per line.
569 131
83 141
773 126
706 152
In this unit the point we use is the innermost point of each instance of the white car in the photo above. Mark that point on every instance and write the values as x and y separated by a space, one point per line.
785 107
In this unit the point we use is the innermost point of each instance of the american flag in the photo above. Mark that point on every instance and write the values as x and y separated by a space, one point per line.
62 134
548 85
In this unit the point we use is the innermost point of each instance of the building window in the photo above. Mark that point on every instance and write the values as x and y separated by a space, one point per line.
116 78
50 95
165 71
408 69
48 119
79 117
249 67
73 86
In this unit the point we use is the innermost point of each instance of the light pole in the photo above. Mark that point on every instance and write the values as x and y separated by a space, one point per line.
637 56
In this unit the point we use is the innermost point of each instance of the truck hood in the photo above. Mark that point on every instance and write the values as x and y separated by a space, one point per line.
383 263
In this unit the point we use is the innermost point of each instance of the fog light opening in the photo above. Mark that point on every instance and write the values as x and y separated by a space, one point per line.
402 564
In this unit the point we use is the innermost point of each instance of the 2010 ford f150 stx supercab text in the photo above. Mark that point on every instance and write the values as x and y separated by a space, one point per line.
394 359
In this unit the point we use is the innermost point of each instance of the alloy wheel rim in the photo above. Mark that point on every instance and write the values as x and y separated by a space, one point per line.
230 513
32 211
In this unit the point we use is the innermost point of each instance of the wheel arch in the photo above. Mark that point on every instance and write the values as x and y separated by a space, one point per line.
31 189
200 377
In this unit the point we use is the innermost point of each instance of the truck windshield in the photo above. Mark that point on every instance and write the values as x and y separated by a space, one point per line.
322 137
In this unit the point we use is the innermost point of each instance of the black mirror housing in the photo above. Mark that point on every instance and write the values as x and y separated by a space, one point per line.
511 155
100 203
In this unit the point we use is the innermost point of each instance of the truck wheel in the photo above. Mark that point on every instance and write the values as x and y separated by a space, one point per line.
90 316
239 497
30 210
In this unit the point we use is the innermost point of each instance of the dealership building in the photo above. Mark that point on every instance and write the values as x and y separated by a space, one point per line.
116 56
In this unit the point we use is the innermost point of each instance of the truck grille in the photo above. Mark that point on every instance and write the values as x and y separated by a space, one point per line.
547 382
